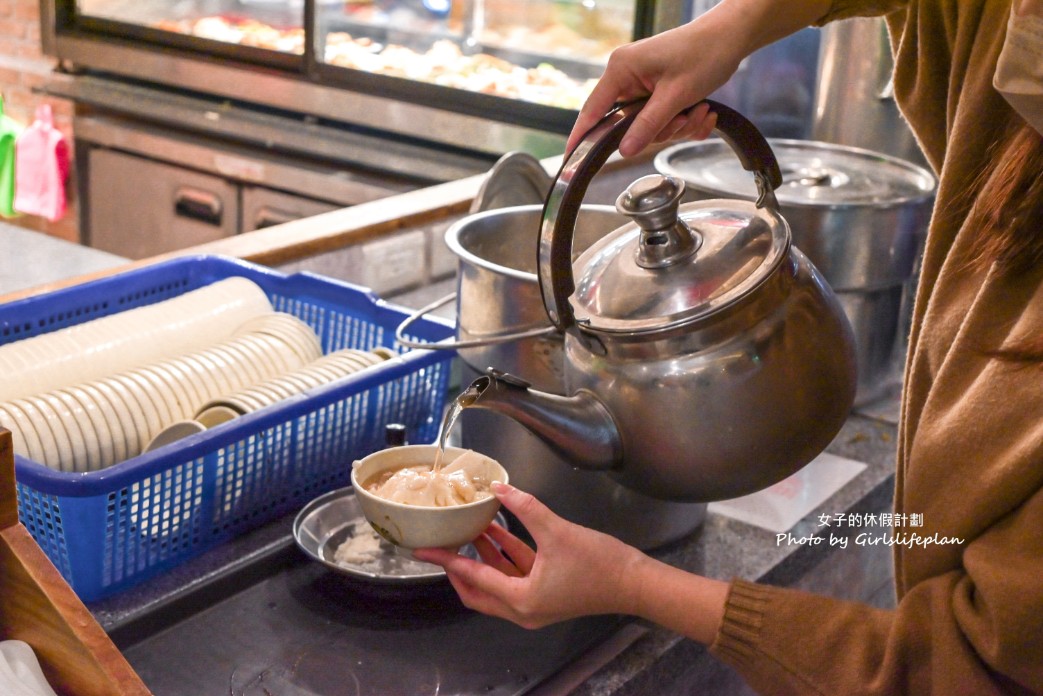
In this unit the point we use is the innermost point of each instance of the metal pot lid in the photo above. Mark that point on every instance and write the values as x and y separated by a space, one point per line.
813 174
620 291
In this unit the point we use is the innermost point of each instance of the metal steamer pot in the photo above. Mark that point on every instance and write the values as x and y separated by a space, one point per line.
860 216
500 317
704 356
501 322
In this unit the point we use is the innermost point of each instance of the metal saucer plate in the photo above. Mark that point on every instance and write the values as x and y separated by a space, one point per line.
335 517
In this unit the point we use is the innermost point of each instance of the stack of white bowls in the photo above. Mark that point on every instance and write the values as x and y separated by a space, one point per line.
324 370
95 424
124 381
138 336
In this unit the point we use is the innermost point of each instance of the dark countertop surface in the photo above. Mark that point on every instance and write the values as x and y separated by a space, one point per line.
637 657
634 657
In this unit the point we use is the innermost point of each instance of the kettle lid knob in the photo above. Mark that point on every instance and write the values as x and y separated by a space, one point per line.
654 198
652 202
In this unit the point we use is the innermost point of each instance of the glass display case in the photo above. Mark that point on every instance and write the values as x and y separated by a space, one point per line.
332 103
420 91
473 56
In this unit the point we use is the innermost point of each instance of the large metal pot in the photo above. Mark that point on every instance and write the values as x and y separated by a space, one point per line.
498 299
854 91
860 216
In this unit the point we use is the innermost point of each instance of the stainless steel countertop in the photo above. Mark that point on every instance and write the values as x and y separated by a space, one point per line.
32 258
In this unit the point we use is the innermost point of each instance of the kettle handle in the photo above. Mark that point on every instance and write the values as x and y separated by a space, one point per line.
565 197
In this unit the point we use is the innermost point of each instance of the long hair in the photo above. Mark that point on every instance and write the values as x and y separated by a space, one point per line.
1008 216
1009 208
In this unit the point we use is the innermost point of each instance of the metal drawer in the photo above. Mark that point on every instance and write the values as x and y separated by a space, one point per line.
265 207
139 207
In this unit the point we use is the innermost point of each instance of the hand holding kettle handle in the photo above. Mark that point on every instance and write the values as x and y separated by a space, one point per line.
565 197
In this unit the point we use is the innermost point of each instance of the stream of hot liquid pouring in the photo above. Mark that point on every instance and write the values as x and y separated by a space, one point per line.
465 399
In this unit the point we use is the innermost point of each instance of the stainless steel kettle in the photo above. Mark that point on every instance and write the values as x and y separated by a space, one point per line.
705 356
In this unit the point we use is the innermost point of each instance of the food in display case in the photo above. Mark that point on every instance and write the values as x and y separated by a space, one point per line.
240 31
542 51
574 30
447 65
275 25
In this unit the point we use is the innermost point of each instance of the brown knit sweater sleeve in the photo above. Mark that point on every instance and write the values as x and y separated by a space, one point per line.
957 633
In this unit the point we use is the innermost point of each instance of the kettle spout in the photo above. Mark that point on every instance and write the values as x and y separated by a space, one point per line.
578 428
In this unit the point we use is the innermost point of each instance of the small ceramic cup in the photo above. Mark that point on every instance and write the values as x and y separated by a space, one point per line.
415 526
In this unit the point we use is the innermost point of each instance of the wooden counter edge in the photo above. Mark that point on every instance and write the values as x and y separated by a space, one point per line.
37 606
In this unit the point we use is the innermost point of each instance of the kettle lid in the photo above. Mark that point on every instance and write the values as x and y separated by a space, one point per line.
668 269
675 265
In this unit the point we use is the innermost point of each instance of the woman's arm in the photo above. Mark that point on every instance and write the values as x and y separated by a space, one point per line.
577 572
684 65
978 631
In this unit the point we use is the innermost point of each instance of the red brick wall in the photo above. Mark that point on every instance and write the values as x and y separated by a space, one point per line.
23 67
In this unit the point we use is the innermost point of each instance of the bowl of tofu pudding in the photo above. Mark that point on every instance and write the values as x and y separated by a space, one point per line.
414 505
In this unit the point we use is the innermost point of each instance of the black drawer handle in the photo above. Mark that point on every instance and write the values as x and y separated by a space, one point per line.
198 205
270 217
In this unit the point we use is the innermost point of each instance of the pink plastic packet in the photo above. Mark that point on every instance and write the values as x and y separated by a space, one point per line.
41 168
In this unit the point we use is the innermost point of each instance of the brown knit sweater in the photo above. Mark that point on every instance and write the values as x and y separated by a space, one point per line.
969 619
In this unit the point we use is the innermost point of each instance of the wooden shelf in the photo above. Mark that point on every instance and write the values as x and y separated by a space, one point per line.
38 607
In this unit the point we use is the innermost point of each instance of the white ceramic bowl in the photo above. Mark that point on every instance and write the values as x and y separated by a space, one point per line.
294 333
82 430
122 424
215 415
58 448
173 433
150 419
26 440
414 526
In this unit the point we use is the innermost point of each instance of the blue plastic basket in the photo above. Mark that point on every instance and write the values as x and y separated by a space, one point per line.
110 529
